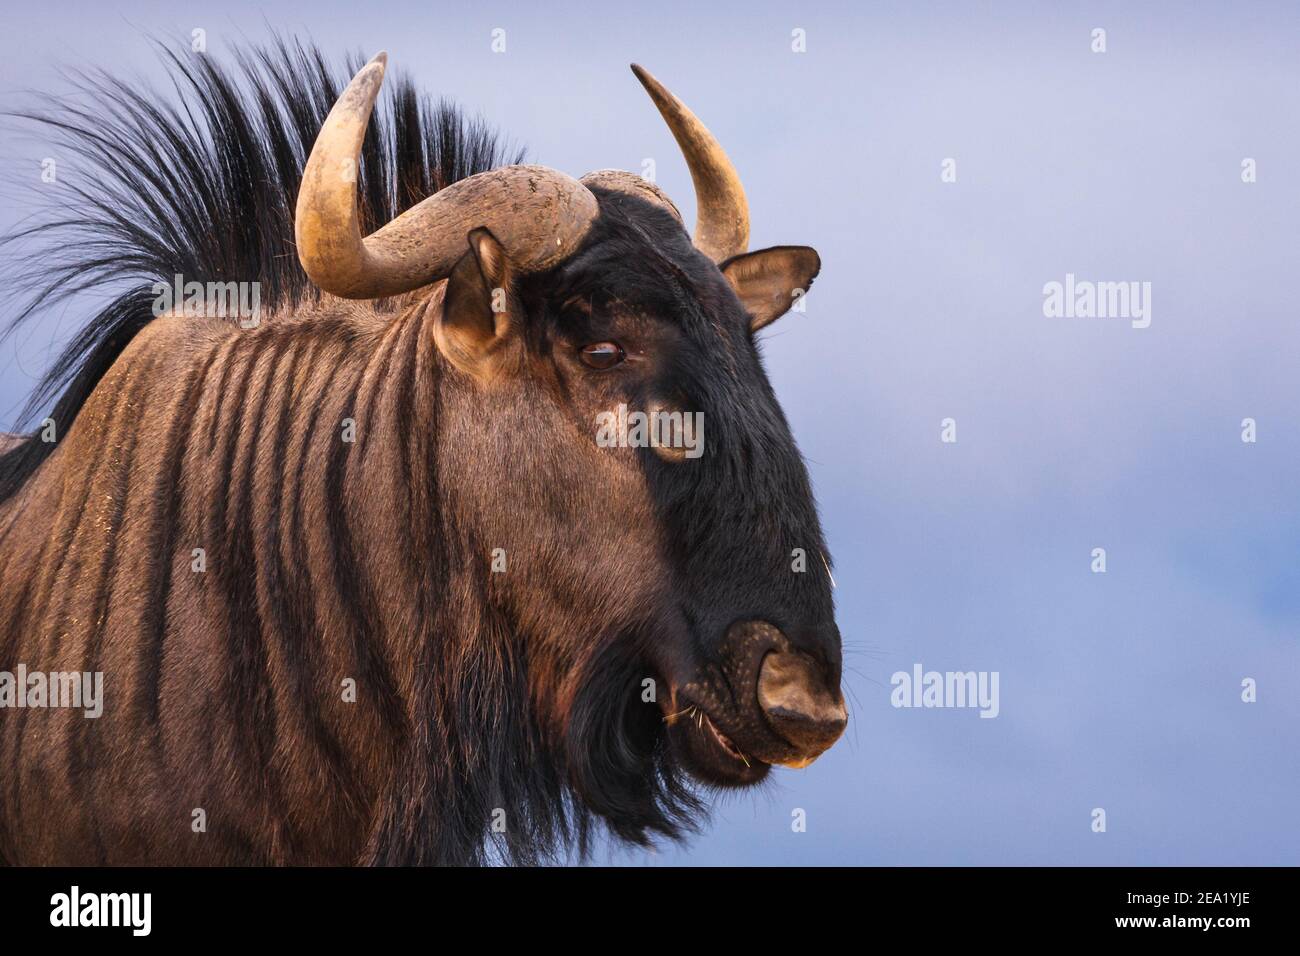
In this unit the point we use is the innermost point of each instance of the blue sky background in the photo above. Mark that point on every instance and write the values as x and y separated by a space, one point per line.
1120 690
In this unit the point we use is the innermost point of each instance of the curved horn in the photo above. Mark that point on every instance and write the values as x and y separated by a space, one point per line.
539 215
721 211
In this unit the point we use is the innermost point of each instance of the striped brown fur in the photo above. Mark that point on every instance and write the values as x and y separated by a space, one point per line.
173 452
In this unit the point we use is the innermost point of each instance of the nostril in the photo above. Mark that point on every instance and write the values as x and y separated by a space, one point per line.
797 702
808 728
829 719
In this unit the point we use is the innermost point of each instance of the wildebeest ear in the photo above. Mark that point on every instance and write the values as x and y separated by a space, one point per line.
770 281
475 326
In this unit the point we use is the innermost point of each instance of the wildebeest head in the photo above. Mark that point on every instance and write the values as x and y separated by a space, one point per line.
673 601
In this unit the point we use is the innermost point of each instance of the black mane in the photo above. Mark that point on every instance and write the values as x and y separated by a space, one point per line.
204 187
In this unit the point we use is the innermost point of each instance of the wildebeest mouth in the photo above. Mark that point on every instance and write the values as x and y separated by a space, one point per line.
764 703
707 752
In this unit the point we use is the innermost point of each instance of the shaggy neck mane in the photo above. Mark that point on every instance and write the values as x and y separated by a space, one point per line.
200 184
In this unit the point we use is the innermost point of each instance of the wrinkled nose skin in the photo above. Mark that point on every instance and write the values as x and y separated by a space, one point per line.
799 705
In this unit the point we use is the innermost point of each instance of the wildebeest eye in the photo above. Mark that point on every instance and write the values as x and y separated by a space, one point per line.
603 355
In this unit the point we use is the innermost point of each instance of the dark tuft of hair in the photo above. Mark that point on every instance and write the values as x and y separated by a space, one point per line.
204 185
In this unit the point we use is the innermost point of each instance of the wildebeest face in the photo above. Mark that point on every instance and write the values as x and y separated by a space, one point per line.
701 565
673 602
